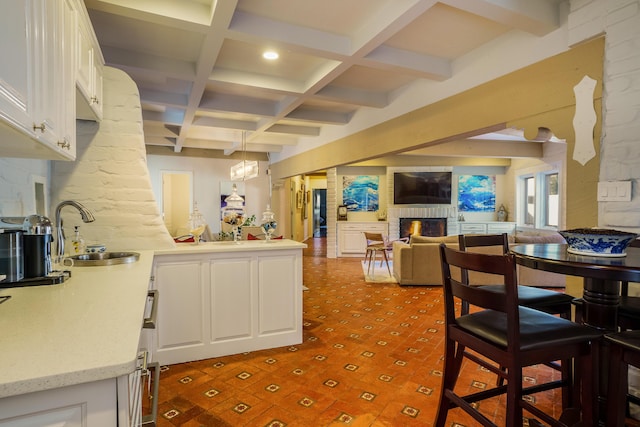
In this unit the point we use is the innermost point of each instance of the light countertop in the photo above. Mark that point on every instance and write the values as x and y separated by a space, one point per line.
230 246
85 329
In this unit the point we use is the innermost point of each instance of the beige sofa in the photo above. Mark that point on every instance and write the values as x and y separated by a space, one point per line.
418 262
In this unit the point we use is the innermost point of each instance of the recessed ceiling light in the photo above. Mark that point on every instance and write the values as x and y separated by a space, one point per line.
270 54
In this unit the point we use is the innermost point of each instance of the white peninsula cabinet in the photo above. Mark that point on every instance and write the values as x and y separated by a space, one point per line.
222 298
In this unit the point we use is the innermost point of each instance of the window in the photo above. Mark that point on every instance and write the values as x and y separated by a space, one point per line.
530 201
539 199
551 199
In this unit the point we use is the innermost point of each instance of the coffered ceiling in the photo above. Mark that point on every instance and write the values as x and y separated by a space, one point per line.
203 81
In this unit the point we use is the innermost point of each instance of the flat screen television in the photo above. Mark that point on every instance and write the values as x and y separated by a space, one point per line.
422 188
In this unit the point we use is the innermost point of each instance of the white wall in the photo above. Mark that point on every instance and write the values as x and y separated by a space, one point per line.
17 196
207 175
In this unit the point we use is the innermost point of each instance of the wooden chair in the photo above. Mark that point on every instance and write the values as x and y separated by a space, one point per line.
511 336
378 244
624 350
529 296
551 302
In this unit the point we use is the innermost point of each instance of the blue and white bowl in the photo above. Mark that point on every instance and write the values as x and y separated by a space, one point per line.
598 241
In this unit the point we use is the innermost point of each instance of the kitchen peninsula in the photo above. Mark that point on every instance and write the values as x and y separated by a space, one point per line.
69 349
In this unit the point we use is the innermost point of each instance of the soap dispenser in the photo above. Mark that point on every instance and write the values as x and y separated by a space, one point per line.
77 243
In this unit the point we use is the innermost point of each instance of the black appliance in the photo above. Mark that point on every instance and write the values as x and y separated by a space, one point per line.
25 252
36 240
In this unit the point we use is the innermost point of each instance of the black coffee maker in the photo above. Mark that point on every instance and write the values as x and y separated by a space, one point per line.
36 243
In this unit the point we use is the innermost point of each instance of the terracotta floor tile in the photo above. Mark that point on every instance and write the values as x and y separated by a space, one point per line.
371 356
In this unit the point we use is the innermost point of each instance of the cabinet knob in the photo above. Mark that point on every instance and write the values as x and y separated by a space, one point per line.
64 144
42 127
94 100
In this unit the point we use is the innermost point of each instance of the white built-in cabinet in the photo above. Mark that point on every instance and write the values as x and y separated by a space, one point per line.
491 227
351 240
215 304
39 49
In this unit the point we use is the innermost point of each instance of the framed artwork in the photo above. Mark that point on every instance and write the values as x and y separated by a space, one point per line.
299 199
477 193
360 193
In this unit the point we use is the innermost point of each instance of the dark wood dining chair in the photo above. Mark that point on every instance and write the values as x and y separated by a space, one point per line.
512 336
530 296
624 350
549 301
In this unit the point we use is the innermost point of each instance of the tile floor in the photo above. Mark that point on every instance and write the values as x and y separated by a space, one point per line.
371 356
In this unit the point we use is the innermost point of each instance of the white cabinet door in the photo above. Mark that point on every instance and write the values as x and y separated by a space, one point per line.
233 284
90 404
279 296
89 72
17 68
180 328
352 241
69 68
34 83
55 106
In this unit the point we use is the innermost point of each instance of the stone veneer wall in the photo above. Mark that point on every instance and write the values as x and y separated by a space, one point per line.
110 176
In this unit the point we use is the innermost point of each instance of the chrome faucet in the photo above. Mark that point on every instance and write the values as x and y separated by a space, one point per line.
86 215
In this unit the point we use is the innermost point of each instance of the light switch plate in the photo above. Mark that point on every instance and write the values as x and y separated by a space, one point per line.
614 191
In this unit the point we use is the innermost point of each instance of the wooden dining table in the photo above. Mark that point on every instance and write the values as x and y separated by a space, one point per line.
602 277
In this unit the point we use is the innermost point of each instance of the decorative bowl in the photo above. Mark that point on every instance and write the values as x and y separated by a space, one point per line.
598 241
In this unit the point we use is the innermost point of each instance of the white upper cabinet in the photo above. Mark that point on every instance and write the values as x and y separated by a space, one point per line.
89 71
54 121
17 68
42 55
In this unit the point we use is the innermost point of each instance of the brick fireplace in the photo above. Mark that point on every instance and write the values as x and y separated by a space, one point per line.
444 214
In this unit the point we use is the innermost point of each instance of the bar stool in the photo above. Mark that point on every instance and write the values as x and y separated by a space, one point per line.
513 337
624 351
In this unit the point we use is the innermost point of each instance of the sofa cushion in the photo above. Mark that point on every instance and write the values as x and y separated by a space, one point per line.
438 240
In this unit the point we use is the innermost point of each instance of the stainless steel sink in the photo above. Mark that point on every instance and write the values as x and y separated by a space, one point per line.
104 258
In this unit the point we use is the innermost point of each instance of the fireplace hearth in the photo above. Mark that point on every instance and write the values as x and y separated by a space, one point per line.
433 227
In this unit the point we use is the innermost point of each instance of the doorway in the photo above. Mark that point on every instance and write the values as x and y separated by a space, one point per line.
319 212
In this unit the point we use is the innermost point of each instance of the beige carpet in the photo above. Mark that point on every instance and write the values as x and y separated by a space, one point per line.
378 273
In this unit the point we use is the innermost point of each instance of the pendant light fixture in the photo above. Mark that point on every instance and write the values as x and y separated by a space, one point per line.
246 169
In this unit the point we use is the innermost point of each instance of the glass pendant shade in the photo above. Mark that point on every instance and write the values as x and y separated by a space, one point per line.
246 169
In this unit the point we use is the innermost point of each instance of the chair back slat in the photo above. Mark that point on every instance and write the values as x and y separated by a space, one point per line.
483 240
